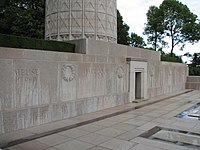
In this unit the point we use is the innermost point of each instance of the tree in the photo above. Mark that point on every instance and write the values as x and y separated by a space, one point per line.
122 30
154 28
196 60
8 13
179 23
194 67
170 57
23 18
192 33
136 41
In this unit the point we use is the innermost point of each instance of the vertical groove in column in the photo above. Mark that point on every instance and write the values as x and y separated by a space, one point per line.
106 28
83 19
58 20
70 20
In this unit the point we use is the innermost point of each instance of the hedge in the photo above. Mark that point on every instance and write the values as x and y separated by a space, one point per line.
174 58
37 44
194 71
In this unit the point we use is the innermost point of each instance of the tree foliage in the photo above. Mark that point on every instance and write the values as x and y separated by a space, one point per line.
173 20
192 33
179 23
170 57
122 30
123 36
196 60
136 41
22 17
194 67
154 28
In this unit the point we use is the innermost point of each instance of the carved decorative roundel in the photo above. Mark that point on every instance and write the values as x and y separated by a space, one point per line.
120 72
68 73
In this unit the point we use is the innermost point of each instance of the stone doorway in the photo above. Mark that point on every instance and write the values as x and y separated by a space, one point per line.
138 80
138 85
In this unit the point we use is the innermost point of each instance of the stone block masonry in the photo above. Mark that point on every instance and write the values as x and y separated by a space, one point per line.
76 19
193 82
38 87
54 86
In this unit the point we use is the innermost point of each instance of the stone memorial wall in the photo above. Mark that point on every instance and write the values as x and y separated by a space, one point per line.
38 87
193 82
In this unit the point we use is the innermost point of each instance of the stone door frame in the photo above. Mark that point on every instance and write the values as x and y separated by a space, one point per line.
137 66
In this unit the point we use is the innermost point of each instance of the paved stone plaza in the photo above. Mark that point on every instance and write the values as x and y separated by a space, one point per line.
120 132
104 96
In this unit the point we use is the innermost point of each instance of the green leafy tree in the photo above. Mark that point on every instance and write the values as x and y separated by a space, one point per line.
179 23
194 67
196 60
154 28
170 57
23 17
192 31
136 41
8 13
122 30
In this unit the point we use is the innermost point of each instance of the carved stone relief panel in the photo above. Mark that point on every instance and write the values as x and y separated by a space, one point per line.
64 5
6 82
26 86
90 5
67 82
64 22
120 72
76 19
76 5
89 22
101 6
52 24
101 24
68 73
51 6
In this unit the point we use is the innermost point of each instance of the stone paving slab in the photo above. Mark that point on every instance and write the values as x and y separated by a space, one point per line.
74 145
157 144
127 136
110 132
31 145
124 128
74 133
172 136
53 140
91 127
116 144
144 147
94 138
14 135
98 148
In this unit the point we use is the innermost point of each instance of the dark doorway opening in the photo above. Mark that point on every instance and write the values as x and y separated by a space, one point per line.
138 85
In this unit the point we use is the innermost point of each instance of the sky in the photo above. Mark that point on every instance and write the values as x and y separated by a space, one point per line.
134 14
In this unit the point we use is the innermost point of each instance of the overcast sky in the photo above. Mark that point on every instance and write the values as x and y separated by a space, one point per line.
134 14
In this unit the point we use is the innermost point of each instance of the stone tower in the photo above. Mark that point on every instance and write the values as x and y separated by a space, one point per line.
78 19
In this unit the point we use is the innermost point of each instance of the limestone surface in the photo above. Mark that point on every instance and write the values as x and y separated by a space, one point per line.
77 19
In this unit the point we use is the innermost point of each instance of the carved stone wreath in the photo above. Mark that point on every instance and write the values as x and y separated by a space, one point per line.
68 73
120 72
